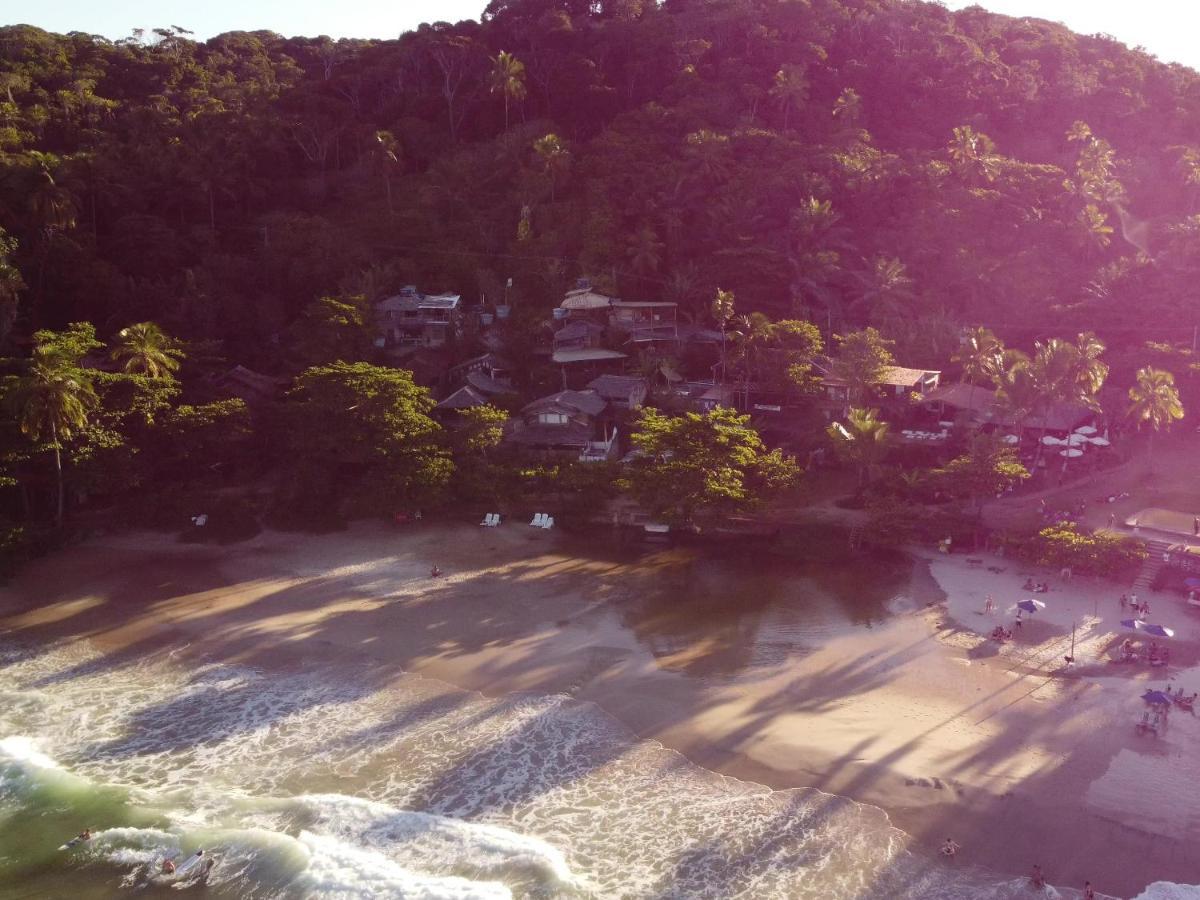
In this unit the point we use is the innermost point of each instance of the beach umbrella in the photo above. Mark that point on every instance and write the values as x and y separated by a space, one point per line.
1031 605
1076 439
1158 630
1131 623
1011 439
1158 698
1070 454
1051 441
1099 441
1192 582
1086 429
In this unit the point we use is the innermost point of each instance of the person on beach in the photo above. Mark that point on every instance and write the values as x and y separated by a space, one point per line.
989 605
1196 526
949 848
1017 627
1038 879
435 572
1089 893
1124 602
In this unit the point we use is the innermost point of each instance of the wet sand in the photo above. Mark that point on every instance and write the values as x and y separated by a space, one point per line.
950 733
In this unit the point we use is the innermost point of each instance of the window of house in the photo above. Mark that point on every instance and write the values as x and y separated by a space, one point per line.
551 418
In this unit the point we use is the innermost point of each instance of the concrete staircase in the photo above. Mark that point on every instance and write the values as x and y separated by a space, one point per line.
1151 566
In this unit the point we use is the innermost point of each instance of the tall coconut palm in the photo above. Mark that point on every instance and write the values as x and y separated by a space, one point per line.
385 156
862 440
1018 394
554 156
145 349
790 88
51 405
1154 401
722 312
981 356
1089 371
508 78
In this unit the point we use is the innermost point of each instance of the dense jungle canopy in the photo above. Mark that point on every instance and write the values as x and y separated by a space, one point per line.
849 161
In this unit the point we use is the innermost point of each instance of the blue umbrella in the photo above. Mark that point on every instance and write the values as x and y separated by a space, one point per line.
1157 697
1131 623
1031 605
1192 582
1158 630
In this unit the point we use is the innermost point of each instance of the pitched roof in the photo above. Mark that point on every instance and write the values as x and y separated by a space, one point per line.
963 396
465 397
486 385
585 354
573 434
413 302
893 376
643 304
618 388
588 402
586 298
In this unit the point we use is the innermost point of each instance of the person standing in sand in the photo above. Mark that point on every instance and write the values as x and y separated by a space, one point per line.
989 605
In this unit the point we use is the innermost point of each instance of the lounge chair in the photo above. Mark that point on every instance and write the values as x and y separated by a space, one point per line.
539 520
548 522
487 520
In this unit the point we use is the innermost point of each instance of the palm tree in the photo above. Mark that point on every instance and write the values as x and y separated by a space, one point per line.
886 290
981 356
385 156
1089 372
790 89
53 403
1018 394
1154 401
973 155
645 250
554 156
145 349
722 312
508 78
862 441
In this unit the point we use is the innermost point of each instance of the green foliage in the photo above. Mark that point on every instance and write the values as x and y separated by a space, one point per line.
363 433
987 469
861 359
145 349
1085 553
331 329
703 465
861 441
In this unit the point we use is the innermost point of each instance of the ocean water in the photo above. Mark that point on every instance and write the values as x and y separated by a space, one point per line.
325 783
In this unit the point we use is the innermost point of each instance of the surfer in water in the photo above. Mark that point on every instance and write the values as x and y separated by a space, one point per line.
949 848
168 867
85 835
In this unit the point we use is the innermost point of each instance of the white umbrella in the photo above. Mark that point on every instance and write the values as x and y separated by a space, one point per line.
1011 439
1086 429
1051 441
1076 439
1099 441
1070 454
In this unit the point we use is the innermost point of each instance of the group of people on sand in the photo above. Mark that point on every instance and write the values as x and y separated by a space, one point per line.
1036 878
1036 587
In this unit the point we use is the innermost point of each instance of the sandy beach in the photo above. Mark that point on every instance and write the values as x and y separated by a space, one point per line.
997 746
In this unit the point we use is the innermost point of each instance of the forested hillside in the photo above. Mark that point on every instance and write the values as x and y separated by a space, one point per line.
960 188
850 161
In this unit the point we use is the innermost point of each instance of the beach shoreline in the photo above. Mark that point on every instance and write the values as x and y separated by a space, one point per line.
951 735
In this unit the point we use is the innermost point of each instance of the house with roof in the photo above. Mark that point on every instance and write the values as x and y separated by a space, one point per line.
411 318
579 334
480 381
895 383
621 392
980 405
645 321
569 423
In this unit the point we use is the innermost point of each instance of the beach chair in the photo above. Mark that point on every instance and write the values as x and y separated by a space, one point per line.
487 520
539 520
548 522
495 520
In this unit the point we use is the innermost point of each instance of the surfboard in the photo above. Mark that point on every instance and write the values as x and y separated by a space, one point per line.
73 842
